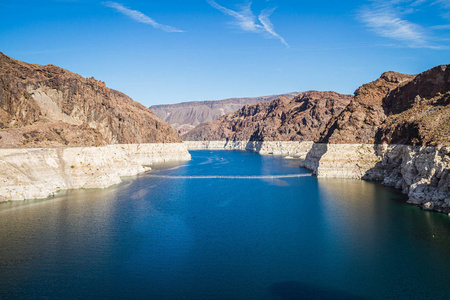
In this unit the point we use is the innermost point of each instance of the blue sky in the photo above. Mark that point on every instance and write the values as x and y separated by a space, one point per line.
168 51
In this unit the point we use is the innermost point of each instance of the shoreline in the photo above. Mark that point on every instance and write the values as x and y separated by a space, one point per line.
421 172
37 173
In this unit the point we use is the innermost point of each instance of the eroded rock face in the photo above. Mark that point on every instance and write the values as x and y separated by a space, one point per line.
39 173
187 115
419 111
421 172
302 118
397 109
47 106
360 120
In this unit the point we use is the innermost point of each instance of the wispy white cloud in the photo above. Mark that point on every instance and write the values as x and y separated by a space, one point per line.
246 20
389 19
139 16
387 23
268 26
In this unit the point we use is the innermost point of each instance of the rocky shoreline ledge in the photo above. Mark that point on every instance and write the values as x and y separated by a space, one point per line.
35 173
284 148
421 172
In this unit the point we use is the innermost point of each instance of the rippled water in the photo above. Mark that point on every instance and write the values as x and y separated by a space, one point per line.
247 227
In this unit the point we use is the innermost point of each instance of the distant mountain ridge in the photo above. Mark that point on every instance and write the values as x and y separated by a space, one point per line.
186 115
302 118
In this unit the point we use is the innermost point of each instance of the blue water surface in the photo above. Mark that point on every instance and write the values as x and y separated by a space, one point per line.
185 237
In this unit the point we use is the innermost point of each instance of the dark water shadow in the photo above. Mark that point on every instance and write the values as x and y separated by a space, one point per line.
296 290
314 156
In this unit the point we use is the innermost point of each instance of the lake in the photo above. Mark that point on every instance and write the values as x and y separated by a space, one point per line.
225 225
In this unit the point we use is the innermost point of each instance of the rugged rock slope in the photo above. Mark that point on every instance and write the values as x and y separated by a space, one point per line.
302 118
419 111
47 106
396 109
185 116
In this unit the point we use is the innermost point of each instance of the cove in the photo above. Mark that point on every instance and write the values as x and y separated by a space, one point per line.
225 225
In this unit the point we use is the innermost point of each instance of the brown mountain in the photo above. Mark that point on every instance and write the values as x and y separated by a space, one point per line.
360 120
302 118
394 109
397 109
185 116
45 106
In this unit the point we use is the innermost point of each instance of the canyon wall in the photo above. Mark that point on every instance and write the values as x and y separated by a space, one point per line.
294 149
41 172
47 106
421 172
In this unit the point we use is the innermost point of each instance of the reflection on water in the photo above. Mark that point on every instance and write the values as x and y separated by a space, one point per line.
163 235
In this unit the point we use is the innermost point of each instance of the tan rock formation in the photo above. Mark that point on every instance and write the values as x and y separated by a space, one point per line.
41 172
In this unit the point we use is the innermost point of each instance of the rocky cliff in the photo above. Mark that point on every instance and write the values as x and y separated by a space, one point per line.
47 106
396 109
185 116
421 172
302 118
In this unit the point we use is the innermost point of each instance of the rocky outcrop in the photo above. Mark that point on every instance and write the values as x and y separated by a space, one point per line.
47 106
293 149
396 109
41 172
419 111
187 115
422 172
360 120
302 118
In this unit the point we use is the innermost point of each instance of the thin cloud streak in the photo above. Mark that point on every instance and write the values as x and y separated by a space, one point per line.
139 16
246 20
388 18
268 26
386 23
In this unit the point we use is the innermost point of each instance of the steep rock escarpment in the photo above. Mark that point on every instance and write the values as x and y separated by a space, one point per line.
302 118
397 109
185 116
360 120
419 112
47 106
